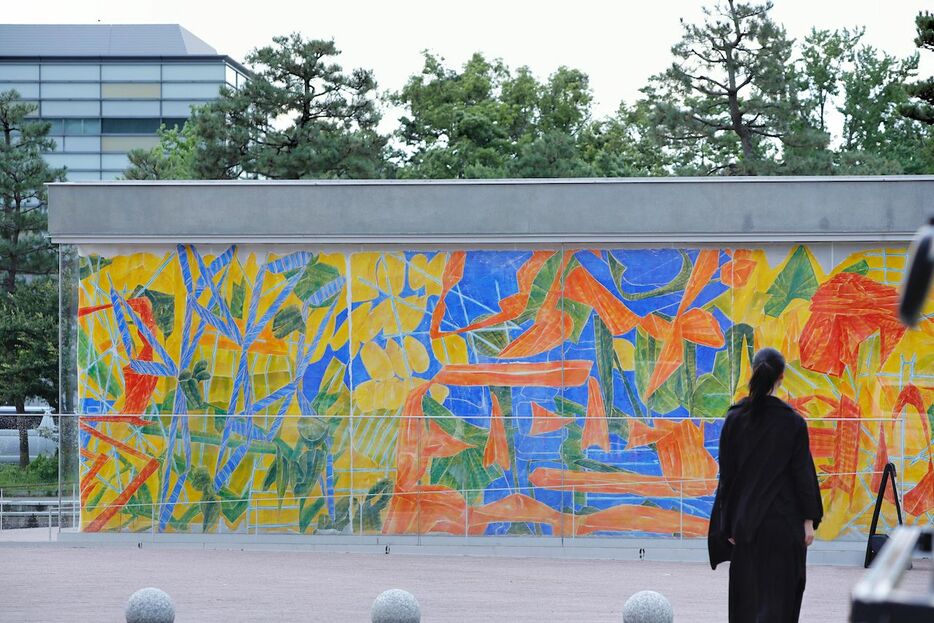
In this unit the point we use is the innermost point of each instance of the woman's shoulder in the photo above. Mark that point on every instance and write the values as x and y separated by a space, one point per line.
772 404
784 410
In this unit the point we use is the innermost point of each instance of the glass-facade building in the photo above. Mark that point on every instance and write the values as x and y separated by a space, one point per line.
106 89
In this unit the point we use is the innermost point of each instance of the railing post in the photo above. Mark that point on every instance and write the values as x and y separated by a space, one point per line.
573 513
152 520
49 511
1 510
74 505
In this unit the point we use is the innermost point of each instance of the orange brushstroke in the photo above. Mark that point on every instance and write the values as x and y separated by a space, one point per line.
641 434
101 520
410 460
846 448
684 459
497 448
911 396
426 509
545 421
439 444
695 325
596 432
123 419
736 272
515 508
882 457
84 311
510 307
822 442
580 286
571 373
846 311
113 442
87 481
551 325
921 498
699 326
704 267
669 360
656 326
550 329
634 518
138 390
602 482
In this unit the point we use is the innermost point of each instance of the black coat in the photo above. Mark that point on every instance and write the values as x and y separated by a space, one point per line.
766 469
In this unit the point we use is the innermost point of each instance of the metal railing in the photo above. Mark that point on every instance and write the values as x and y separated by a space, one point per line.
54 509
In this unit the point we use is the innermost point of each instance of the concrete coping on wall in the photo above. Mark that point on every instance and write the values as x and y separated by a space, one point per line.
495 212
659 549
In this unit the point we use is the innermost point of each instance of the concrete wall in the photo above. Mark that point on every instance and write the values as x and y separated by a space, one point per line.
694 210
485 358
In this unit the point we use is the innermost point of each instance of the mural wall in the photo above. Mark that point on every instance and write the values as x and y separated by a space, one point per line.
482 392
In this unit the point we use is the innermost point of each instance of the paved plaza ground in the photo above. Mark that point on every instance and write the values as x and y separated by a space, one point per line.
59 582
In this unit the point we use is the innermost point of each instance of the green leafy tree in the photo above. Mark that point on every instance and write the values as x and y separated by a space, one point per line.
873 91
486 120
25 254
728 101
862 88
824 54
921 106
29 349
626 145
299 116
172 159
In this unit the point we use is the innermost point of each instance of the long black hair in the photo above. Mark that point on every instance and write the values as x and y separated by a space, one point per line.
767 366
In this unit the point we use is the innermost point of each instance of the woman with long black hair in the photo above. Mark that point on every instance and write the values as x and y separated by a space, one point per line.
768 501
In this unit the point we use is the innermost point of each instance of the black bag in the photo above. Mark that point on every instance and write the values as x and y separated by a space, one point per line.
878 541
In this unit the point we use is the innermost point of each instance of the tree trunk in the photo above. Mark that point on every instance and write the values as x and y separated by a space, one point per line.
21 425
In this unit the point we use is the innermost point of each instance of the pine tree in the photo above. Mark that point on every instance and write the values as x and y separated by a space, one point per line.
922 109
25 253
727 103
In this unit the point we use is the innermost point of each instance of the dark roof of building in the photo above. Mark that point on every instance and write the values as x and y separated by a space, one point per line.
100 40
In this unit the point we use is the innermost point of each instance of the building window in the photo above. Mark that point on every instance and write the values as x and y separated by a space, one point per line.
126 90
26 90
19 72
130 73
70 90
180 108
190 90
130 126
175 122
118 108
73 108
71 72
188 71
76 127
126 143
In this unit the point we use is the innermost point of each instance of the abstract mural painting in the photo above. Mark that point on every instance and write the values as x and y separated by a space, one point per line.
565 392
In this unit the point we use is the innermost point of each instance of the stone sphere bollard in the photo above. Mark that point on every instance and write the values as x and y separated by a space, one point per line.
648 607
396 606
150 605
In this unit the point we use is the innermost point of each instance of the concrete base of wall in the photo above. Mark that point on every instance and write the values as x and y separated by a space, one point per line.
848 553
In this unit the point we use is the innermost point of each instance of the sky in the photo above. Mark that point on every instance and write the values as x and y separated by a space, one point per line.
618 43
